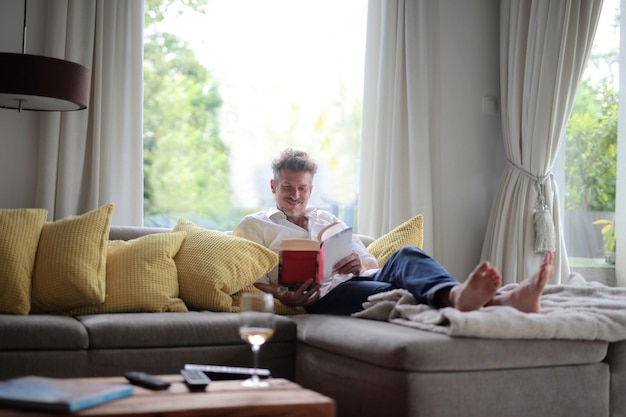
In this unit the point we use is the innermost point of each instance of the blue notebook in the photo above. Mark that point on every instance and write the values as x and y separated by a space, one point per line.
55 394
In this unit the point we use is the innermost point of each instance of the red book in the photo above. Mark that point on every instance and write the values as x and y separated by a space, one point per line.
301 259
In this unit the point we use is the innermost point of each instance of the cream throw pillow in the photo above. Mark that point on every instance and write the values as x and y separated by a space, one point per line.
212 266
141 276
409 233
70 265
19 236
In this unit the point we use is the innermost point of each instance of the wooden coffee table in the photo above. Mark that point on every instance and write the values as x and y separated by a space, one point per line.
222 398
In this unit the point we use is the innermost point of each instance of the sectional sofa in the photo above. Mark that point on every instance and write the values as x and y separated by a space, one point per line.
371 368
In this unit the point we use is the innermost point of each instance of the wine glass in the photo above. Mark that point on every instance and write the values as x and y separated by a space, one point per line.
256 326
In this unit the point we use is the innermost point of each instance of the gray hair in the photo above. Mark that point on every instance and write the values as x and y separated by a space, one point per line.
295 160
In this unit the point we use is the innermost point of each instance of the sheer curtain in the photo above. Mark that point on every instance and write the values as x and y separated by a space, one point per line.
399 103
543 48
95 156
620 192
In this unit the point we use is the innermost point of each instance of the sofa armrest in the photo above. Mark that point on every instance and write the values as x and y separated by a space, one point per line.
133 232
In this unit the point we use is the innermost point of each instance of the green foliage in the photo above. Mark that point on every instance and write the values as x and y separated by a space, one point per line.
186 165
608 234
155 10
591 148
185 162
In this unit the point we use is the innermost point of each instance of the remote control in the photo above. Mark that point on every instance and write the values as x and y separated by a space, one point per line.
219 373
195 379
145 380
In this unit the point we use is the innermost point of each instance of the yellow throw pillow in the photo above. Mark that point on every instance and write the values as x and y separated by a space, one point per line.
19 236
409 233
141 276
212 266
70 267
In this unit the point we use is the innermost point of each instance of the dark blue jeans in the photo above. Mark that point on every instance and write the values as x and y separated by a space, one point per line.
409 268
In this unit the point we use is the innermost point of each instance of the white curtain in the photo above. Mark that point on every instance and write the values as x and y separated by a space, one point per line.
92 157
543 48
399 122
620 192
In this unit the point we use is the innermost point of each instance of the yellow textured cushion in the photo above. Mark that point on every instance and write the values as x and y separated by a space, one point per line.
212 266
70 268
141 276
19 236
409 233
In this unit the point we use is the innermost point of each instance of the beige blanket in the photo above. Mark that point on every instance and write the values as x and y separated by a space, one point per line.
576 310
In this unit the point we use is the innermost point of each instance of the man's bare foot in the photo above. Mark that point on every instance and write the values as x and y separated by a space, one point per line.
477 290
526 296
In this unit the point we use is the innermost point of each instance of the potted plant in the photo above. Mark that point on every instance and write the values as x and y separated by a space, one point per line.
608 235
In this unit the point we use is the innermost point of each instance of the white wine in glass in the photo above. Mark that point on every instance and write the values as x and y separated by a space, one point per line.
256 326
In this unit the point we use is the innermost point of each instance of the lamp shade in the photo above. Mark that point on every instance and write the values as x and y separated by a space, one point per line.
33 82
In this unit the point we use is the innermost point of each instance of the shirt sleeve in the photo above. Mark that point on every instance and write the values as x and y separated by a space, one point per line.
247 230
361 250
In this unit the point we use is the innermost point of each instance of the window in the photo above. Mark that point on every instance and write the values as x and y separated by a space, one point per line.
230 84
588 160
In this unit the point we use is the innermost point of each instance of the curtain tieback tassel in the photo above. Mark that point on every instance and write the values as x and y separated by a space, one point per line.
545 238
545 234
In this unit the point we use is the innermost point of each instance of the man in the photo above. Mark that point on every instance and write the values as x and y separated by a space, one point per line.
357 276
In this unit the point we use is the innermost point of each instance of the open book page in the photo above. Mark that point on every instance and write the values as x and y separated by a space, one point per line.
330 230
333 248
297 261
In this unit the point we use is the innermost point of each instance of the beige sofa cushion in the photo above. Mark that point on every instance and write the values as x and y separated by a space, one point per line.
391 346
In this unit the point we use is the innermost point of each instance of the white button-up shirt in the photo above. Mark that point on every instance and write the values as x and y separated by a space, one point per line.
270 227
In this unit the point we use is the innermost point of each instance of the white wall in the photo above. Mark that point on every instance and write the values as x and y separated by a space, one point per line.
471 152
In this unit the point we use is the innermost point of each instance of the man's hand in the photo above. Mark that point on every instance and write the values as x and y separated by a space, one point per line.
305 295
351 264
